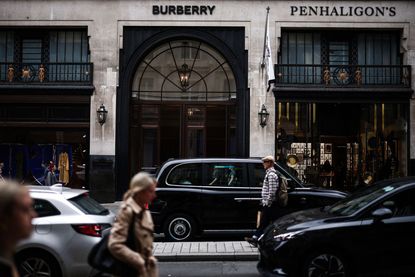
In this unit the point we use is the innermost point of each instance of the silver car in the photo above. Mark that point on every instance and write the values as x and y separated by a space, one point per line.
69 223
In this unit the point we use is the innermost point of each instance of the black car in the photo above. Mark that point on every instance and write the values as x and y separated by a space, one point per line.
197 195
370 233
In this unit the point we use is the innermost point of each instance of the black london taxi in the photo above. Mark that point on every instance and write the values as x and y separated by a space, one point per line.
197 195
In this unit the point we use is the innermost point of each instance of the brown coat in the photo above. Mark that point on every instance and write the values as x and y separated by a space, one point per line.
142 258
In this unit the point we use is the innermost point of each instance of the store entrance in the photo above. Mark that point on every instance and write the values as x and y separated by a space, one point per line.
337 129
184 102
162 132
343 145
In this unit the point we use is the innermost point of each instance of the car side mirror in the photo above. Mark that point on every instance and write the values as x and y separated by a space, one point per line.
381 214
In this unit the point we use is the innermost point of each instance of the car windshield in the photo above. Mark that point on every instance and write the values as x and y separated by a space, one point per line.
88 205
358 200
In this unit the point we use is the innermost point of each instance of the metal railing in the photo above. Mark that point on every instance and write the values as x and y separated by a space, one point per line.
343 75
46 73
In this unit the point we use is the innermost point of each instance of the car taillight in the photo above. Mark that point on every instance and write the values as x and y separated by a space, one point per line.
93 230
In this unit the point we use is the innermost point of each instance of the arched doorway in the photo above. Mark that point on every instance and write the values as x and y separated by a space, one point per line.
183 105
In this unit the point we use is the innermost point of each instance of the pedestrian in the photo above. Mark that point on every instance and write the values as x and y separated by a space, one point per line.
268 202
133 211
16 214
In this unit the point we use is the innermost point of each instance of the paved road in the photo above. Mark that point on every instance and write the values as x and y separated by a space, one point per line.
214 236
208 269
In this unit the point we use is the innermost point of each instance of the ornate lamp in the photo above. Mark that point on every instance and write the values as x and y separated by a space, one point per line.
184 74
102 114
263 116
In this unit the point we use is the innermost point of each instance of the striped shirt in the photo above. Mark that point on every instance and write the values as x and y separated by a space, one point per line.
270 186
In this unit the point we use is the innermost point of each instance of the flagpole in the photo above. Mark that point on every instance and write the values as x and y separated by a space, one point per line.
265 38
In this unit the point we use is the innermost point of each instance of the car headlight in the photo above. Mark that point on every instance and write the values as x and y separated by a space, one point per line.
286 236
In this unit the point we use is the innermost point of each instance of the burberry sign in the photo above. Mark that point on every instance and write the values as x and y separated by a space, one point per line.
183 9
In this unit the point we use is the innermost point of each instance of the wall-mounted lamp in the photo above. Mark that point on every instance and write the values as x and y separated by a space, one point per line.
102 114
184 74
263 116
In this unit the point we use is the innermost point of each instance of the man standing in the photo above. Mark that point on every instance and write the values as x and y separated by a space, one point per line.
268 201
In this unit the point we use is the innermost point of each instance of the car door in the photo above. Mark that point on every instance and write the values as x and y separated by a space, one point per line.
44 209
179 191
387 245
224 196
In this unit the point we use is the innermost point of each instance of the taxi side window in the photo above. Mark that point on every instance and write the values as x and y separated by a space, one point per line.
225 174
259 174
186 174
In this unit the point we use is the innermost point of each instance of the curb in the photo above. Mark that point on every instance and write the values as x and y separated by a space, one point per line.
198 257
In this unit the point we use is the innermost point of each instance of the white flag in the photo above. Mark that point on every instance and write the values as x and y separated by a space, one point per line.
267 56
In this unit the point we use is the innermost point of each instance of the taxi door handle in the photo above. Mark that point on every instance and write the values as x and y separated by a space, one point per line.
240 199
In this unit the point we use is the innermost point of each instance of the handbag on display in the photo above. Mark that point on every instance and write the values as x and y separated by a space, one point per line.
102 260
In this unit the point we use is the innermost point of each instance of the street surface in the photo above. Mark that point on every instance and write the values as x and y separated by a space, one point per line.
214 236
208 269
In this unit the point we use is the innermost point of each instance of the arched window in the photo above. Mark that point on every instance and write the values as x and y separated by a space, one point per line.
184 70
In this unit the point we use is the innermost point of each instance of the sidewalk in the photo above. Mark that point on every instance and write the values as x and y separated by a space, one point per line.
200 250
205 251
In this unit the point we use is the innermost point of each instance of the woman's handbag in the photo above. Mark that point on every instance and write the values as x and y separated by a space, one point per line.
101 258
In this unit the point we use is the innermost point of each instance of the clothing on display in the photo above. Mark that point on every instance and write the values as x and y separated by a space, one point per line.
25 162
63 168
50 177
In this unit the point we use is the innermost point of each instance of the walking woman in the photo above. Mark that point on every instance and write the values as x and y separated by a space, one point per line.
16 214
133 211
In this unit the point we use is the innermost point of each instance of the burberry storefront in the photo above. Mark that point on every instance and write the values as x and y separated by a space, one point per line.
143 82
183 95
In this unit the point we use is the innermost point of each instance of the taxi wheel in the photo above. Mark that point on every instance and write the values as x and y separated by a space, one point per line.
179 227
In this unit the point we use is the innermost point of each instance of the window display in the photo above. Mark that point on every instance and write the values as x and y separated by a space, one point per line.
342 145
28 159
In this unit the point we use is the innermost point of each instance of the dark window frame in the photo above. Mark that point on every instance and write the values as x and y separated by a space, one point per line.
327 36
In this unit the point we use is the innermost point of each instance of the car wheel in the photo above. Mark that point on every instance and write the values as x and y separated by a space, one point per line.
37 263
324 263
179 227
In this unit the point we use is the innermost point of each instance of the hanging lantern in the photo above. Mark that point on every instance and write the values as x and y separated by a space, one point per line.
102 114
263 116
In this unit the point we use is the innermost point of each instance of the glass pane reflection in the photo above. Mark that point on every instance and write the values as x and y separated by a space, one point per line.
210 77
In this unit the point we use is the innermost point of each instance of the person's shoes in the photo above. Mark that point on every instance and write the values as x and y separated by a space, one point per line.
252 241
